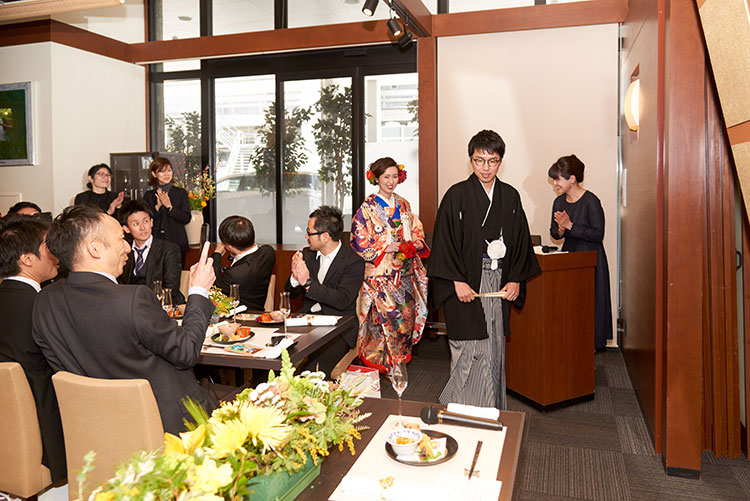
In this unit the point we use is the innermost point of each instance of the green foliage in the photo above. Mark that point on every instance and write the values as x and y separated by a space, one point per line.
333 139
263 158
186 138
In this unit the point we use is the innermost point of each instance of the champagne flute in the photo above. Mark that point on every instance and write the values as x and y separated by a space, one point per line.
399 381
158 290
234 296
285 306
166 300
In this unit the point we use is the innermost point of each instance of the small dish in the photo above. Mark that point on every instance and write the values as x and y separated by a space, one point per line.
451 447
404 441
244 334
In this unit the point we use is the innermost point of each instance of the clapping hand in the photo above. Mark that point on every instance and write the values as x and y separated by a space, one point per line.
202 272
299 269
563 221
162 198
116 203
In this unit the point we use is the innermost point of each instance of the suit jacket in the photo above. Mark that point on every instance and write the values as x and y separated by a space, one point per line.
162 263
16 345
337 295
252 272
88 325
169 225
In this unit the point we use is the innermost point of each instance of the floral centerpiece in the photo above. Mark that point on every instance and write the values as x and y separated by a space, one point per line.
277 427
200 187
222 302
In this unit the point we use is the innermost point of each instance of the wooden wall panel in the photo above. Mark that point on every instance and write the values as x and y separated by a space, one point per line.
640 236
428 182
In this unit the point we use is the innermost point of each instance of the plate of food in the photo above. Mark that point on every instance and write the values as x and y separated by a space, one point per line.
231 334
273 317
422 448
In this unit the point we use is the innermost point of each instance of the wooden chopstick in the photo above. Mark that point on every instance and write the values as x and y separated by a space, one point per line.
476 456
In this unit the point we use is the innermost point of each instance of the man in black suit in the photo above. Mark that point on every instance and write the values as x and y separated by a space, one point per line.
88 324
25 263
330 275
151 258
251 265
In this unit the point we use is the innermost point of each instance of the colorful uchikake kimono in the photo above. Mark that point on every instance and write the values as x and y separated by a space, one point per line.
393 300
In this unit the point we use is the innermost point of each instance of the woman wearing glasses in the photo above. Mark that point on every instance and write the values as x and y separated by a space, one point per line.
97 194
393 299
578 217
481 245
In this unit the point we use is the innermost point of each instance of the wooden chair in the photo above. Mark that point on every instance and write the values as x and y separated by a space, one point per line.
269 296
22 473
113 417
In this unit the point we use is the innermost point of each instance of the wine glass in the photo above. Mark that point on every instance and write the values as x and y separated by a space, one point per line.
234 296
399 381
285 306
166 300
158 290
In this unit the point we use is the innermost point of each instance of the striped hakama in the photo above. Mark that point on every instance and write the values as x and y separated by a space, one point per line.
478 366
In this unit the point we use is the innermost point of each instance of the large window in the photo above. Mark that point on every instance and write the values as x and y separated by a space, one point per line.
286 133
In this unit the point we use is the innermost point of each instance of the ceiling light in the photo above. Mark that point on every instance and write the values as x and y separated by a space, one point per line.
184 18
368 9
405 40
394 27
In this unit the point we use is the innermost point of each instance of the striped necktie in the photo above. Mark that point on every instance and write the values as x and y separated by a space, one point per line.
139 260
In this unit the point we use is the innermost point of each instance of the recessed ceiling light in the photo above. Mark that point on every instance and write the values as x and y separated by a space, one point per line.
184 18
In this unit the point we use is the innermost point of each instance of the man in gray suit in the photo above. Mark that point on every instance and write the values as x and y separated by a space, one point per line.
87 324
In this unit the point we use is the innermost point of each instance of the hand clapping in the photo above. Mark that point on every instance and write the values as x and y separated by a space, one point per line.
116 203
162 198
202 272
299 269
563 220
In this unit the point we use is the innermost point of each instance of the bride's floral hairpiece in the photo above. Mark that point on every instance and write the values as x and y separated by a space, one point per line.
401 175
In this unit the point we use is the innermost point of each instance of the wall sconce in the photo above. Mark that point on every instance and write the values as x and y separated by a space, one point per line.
632 104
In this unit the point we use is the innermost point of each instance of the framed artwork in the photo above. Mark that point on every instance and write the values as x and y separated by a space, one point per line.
15 124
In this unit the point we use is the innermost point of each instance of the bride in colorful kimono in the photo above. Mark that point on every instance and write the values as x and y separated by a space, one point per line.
393 299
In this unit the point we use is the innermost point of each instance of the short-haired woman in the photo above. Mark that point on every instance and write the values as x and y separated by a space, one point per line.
97 194
393 299
169 203
578 217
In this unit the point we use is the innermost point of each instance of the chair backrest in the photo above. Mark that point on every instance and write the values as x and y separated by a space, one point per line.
113 417
184 283
269 296
21 469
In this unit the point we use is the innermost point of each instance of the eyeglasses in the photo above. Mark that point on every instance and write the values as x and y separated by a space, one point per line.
479 161
314 233
104 174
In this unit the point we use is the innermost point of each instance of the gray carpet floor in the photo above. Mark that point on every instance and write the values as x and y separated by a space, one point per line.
597 450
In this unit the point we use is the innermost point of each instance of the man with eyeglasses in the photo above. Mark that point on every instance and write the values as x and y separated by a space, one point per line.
330 275
481 244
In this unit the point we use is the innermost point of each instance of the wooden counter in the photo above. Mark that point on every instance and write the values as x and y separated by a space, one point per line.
549 357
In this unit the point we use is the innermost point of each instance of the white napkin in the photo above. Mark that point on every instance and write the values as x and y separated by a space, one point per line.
445 489
312 320
471 410
275 351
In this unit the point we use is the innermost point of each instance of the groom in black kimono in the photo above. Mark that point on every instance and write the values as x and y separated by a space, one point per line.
481 244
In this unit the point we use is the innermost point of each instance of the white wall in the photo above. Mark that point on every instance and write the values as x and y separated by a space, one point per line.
84 106
548 93
98 109
124 22
31 63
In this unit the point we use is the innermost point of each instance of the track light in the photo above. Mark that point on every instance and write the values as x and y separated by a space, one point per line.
405 40
368 9
394 27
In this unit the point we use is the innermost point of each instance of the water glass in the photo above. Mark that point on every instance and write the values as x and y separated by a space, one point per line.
399 381
166 300
234 296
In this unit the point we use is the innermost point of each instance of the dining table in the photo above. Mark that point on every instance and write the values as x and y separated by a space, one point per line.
307 339
338 463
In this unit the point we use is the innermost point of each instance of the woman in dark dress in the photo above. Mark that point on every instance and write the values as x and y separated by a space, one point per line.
170 204
97 194
577 216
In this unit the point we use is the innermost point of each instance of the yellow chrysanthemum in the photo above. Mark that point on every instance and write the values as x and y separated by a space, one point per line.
209 478
105 496
265 424
228 437
187 441
208 497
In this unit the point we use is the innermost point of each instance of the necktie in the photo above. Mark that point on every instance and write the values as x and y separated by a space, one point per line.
139 260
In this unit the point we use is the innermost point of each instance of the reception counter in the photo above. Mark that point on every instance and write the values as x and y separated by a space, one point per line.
549 357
